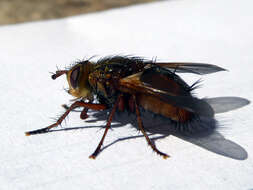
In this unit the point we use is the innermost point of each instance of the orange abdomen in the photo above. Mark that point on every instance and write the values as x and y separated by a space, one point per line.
157 106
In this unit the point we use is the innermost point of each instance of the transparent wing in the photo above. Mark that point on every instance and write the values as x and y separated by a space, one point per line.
163 87
195 68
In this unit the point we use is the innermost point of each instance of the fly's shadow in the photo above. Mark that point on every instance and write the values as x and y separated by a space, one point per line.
159 127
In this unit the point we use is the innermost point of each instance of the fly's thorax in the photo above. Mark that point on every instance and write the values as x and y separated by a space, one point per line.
77 78
98 82
103 81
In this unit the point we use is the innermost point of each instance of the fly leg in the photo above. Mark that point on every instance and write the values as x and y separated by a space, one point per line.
140 125
59 121
83 114
108 125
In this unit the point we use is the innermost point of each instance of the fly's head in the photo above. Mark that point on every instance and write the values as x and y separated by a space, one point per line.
77 77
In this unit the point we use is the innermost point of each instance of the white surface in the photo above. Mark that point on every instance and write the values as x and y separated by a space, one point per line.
218 32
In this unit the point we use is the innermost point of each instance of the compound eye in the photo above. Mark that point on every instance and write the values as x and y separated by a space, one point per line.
74 77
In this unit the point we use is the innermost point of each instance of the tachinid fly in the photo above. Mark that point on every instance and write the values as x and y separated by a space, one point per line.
122 83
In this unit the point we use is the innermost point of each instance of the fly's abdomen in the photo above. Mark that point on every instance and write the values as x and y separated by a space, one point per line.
157 106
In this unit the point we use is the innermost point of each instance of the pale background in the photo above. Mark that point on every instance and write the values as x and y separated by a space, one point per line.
218 32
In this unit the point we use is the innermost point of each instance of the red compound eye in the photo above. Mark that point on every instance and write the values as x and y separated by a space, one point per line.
74 77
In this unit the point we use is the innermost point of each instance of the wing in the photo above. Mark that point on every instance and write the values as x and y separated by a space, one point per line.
195 68
166 86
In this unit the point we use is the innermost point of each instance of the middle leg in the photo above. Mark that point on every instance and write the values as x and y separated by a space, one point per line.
108 125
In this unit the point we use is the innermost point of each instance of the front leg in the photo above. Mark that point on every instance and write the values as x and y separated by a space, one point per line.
59 121
83 114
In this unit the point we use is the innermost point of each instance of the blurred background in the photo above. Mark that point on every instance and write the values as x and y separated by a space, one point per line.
17 11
